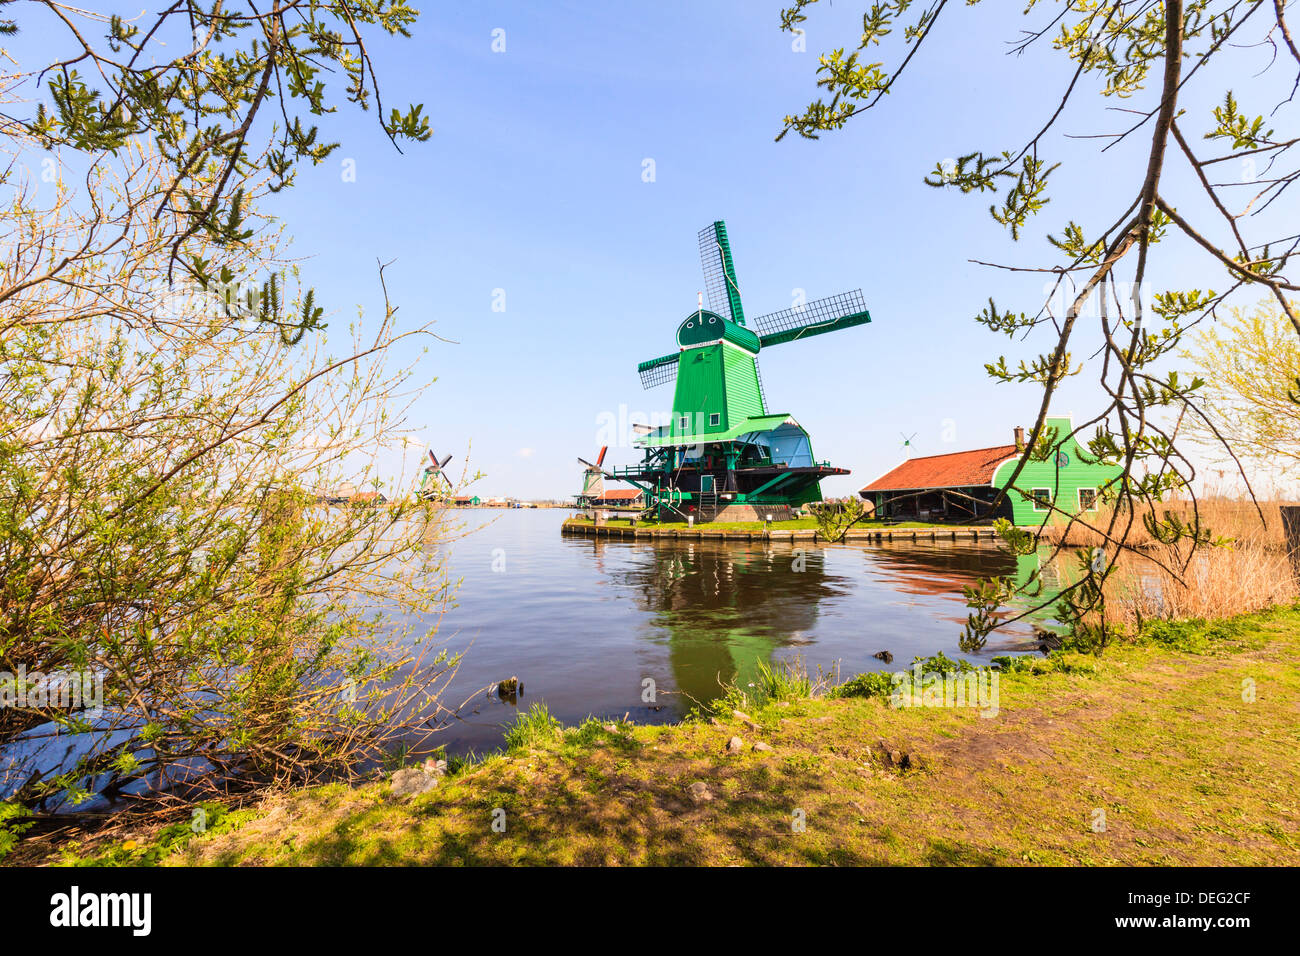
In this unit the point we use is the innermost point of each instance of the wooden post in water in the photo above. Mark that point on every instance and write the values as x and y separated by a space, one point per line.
1291 532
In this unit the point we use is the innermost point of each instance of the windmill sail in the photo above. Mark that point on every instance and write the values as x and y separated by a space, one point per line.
720 273
659 371
433 472
813 318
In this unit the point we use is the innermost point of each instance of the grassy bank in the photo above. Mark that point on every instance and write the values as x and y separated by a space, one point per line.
1157 739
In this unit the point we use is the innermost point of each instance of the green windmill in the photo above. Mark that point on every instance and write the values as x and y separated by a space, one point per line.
723 451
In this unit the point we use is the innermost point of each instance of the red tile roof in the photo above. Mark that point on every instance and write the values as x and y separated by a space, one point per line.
621 494
960 469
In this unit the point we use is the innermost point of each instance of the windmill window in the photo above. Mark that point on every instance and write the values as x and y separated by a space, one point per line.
715 419
1087 499
685 422
1042 498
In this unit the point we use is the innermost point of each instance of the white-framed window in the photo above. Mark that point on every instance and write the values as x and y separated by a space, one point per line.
1042 498
715 418
1087 499
685 422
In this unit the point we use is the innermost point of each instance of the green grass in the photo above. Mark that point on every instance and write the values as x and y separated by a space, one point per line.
208 819
1183 741
532 728
789 681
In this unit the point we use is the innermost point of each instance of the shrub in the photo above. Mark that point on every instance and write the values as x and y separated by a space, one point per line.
873 684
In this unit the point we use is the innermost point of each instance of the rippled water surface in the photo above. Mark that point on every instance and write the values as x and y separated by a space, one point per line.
584 621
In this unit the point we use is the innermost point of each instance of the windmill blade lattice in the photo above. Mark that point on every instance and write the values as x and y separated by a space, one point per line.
812 318
715 272
658 371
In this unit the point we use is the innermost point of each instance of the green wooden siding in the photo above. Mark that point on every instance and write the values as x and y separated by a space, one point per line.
1062 475
714 380
743 398
700 391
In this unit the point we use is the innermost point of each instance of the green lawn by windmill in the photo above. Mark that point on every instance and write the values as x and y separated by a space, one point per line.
723 453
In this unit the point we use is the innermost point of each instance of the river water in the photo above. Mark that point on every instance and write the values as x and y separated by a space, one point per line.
584 622
588 623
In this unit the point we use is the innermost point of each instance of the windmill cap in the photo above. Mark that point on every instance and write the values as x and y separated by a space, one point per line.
704 327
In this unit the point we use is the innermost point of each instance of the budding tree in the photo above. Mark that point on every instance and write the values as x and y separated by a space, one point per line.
1151 56
1251 366
172 404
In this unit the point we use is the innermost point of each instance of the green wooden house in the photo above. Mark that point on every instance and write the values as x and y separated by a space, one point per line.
961 486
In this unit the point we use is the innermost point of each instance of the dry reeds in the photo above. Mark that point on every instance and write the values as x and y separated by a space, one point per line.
1234 519
1218 582
1246 569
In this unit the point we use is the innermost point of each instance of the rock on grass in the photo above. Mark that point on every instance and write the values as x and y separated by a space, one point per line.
699 793
413 781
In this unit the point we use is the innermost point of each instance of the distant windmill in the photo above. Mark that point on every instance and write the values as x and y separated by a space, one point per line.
907 439
435 483
593 480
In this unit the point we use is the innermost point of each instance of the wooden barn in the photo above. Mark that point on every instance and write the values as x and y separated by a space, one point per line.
961 486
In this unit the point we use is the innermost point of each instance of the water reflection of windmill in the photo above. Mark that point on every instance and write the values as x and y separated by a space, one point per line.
697 592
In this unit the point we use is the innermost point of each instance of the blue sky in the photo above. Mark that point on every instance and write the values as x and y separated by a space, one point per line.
532 184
